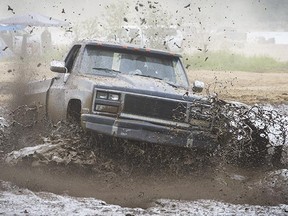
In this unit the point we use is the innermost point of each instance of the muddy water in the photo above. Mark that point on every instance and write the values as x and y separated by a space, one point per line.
117 179
227 184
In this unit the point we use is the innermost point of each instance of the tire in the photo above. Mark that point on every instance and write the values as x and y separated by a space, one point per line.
74 111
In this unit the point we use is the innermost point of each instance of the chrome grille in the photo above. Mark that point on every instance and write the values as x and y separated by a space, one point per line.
155 107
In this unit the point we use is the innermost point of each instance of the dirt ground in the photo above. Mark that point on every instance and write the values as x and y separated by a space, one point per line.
246 87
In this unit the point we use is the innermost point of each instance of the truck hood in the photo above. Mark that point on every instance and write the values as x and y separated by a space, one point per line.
138 84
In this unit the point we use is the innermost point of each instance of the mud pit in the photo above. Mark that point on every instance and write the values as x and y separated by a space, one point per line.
139 175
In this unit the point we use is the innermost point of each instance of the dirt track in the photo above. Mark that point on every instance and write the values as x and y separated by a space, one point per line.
247 87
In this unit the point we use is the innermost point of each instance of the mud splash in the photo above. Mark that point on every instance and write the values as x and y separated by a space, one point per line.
70 161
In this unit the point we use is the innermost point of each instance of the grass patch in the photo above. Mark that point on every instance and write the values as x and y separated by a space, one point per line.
226 61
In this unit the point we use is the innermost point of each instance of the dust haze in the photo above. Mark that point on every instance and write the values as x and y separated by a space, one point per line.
247 14
210 16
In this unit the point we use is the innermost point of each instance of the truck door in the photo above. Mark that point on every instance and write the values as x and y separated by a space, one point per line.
57 105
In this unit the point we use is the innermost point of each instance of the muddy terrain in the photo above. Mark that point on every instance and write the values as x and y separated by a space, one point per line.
246 87
136 174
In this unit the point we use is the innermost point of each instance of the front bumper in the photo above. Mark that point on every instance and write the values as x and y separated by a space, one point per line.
145 131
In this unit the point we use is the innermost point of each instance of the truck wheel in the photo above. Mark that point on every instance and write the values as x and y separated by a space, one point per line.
74 110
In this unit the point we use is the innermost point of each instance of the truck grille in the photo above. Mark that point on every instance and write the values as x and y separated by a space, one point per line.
155 108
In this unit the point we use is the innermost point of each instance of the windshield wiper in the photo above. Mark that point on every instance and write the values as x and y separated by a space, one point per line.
106 69
169 83
143 75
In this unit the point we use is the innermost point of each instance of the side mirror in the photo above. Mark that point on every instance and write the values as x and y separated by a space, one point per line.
198 86
58 66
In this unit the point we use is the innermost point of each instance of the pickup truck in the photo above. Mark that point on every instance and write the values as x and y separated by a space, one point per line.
128 92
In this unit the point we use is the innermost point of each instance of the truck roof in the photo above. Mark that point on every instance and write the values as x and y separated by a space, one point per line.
128 47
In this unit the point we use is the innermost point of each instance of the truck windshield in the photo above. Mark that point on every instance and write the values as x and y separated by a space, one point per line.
104 61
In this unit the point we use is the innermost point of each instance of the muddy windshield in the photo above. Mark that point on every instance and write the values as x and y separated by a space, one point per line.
107 62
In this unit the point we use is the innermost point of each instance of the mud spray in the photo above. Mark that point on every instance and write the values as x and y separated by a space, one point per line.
62 158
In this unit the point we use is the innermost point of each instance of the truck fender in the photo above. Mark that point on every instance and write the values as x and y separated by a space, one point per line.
36 92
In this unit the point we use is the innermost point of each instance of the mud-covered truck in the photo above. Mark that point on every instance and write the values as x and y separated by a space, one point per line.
128 92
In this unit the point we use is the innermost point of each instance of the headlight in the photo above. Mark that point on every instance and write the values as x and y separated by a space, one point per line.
102 95
108 96
114 97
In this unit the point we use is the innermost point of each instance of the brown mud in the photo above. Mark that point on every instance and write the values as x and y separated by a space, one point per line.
143 181
140 189
245 87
